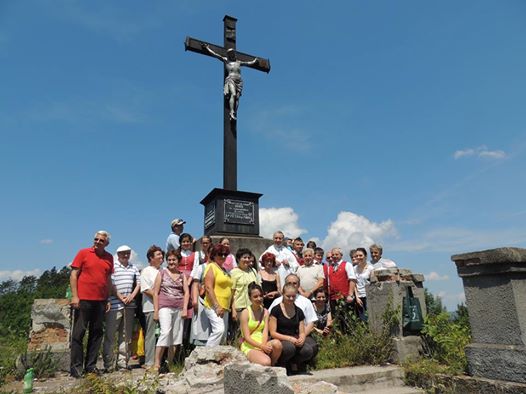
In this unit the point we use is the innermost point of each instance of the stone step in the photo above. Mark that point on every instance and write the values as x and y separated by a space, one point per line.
358 379
394 390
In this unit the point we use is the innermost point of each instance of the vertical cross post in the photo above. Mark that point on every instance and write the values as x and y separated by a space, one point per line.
229 125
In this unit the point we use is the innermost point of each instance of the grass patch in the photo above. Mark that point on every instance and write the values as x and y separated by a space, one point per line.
356 344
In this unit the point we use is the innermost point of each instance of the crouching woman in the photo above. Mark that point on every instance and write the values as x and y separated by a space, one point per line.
254 329
287 323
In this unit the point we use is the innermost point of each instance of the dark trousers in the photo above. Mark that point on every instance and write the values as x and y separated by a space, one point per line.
298 355
361 311
89 316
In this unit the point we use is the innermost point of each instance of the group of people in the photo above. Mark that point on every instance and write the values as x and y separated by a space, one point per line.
274 304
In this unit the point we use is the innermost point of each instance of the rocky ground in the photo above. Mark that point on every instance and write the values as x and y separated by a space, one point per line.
224 369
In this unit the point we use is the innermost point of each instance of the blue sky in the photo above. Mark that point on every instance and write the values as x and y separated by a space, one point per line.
395 122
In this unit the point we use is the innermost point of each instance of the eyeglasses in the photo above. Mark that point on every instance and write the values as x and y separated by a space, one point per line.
172 260
292 283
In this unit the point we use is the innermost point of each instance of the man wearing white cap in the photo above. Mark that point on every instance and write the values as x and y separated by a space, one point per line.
172 243
119 320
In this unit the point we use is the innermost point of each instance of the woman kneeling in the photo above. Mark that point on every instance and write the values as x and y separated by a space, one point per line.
287 323
254 328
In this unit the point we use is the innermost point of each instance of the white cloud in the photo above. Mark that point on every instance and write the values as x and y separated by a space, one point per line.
481 151
274 219
46 241
19 274
435 276
450 299
350 230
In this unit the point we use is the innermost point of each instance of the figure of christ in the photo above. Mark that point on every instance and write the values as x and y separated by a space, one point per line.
233 81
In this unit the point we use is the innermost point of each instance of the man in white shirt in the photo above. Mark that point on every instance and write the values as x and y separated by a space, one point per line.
285 260
377 260
155 257
119 319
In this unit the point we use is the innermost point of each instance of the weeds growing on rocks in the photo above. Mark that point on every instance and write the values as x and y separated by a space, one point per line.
356 344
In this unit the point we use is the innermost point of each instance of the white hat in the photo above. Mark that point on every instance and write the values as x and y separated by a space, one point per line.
123 248
177 222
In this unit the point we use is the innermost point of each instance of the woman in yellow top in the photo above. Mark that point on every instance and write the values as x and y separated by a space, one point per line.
254 327
218 299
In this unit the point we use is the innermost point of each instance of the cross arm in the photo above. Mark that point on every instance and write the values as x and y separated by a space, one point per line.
195 45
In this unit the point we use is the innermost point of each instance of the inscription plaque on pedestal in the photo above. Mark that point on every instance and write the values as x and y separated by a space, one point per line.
239 211
231 212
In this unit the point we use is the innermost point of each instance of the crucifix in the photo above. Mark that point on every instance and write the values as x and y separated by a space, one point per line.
233 85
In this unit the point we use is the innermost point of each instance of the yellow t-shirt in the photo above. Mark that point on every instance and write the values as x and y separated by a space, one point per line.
222 287
240 281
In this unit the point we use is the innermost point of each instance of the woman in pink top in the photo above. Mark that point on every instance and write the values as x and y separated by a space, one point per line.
230 261
170 301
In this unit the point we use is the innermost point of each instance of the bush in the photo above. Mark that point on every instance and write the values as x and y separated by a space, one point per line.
10 347
357 344
44 364
445 340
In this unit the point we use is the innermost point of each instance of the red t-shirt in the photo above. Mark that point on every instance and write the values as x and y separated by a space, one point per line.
92 280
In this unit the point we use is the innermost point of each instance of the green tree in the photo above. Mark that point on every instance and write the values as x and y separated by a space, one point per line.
433 304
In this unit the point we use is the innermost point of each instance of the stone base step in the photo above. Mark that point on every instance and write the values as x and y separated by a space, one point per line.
394 390
364 379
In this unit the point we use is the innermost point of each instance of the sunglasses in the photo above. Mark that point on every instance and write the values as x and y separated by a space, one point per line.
99 239
223 255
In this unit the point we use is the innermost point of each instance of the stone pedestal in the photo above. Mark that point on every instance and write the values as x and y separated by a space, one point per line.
50 328
388 286
495 287
231 212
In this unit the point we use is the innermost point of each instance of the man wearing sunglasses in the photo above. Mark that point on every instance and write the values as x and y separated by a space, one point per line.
91 286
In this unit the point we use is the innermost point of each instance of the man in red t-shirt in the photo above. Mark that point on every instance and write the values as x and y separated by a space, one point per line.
90 282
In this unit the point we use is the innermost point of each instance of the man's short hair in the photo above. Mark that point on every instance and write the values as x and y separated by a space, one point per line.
105 233
318 250
307 250
377 247
151 251
337 250
292 275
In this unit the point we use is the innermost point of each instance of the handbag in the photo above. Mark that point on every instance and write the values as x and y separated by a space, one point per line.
413 321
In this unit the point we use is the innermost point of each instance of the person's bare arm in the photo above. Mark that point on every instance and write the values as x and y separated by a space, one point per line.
155 294
186 298
73 279
209 288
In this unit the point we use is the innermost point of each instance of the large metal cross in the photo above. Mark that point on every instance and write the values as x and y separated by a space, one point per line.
230 122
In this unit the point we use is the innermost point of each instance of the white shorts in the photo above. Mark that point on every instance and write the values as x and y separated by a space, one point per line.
171 324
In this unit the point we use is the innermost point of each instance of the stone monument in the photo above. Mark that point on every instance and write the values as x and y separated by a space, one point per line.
387 288
228 211
495 286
